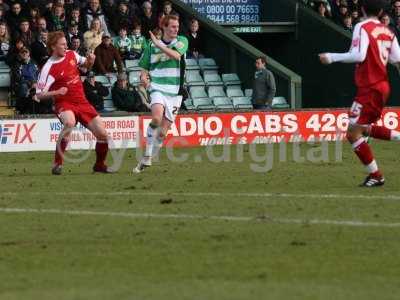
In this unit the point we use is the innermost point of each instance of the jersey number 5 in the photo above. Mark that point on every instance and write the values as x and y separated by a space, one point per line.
384 50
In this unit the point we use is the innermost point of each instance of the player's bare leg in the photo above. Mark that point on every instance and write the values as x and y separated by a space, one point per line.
153 142
96 126
68 120
355 135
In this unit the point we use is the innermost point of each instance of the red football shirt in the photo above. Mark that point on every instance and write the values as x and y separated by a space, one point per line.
63 72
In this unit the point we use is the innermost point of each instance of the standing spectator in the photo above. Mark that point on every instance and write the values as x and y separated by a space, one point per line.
148 19
92 11
343 11
14 16
264 88
92 37
123 44
124 96
139 42
4 41
106 56
95 91
40 52
25 33
123 17
322 10
57 18
195 39
166 10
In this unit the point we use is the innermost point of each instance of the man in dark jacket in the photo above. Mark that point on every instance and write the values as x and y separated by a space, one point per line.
264 88
95 91
39 49
106 55
125 97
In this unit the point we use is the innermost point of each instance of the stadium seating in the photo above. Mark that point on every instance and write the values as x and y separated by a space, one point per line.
207 64
223 103
203 104
216 91
134 78
194 78
231 79
189 105
234 91
132 65
240 103
280 103
191 64
212 79
103 80
248 92
198 92
4 75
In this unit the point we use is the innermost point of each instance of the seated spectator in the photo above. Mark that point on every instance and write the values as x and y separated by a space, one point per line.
13 53
34 15
106 56
76 45
125 96
148 19
123 44
41 24
40 52
348 23
57 18
25 33
321 9
4 41
143 91
73 30
74 18
195 41
264 88
92 37
139 42
92 11
95 91
15 15
165 11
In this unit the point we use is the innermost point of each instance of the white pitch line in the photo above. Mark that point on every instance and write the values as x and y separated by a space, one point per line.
349 223
211 194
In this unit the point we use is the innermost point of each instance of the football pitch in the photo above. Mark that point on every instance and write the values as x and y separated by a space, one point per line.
200 229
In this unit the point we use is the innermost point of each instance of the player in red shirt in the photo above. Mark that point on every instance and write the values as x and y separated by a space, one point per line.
373 46
60 78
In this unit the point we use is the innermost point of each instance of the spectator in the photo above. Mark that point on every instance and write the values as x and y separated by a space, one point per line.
76 19
321 8
4 41
92 37
122 17
148 19
343 11
123 44
195 41
73 30
15 16
92 11
385 19
25 33
139 42
355 15
95 91
41 25
13 53
143 91
24 75
106 56
2 14
158 33
57 18
348 23
76 45
166 10
4 5
395 11
34 15
125 96
396 28
40 53
264 88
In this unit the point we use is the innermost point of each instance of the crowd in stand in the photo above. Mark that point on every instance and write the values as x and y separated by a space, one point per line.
347 13
114 30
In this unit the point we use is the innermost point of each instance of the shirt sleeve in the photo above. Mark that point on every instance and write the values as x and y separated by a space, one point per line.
144 62
80 59
358 49
181 45
394 56
45 80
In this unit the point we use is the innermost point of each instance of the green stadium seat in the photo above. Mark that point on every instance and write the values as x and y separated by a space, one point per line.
132 65
5 80
108 97
189 105
223 103
198 92
109 106
212 79
191 64
207 64
203 104
134 77
231 79
113 78
210 72
234 92
279 103
248 92
242 103
194 78
216 91
103 80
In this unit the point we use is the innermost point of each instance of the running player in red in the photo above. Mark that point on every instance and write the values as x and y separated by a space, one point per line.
59 78
373 46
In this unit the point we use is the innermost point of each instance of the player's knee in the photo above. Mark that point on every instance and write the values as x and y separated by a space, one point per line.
102 135
352 135
69 124
156 121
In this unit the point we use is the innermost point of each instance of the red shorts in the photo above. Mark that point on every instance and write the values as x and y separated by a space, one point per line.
84 112
369 103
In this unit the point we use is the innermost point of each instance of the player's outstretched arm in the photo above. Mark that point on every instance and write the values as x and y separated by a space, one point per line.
170 52
357 52
49 94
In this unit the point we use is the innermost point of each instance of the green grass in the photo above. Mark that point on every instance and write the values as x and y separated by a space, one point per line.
63 256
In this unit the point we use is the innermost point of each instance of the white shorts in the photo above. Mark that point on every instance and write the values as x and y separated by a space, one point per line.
171 104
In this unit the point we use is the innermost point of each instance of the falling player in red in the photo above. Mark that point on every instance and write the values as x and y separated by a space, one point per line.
59 78
373 46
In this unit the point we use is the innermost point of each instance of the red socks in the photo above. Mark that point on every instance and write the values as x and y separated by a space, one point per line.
60 150
364 153
101 152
